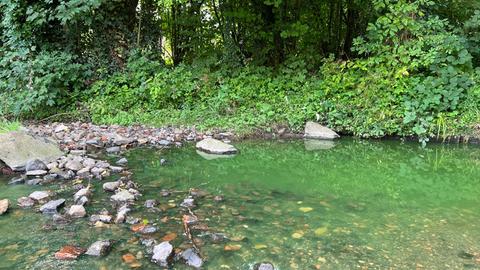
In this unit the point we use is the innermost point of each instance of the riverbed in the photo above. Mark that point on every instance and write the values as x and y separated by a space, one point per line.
296 204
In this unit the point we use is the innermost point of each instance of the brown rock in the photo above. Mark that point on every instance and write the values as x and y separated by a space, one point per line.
169 237
69 253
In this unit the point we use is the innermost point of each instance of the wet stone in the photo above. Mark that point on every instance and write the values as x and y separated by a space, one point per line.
111 186
264 266
25 202
17 180
114 149
122 161
76 211
4 204
102 218
191 258
99 248
69 253
116 169
34 182
150 203
84 192
188 203
39 195
51 207
122 196
82 201
162 254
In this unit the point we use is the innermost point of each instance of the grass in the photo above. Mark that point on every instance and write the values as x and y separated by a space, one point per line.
7 126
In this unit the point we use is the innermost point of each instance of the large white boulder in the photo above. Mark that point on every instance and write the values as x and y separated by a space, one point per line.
213 146
17 148
316 131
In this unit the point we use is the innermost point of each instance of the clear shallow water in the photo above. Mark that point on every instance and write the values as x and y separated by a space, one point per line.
358 205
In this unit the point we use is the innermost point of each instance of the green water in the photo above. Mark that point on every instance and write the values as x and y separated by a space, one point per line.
358 205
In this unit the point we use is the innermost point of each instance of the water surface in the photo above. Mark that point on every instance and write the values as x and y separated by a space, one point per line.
357 205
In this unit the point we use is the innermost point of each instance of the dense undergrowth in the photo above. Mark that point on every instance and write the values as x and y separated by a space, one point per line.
415 73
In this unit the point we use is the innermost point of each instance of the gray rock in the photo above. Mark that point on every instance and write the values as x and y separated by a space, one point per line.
111 186
150 203
36 173
17 180
214 146
101 217
39 195
122 161
34 182
82 201
94 142
149 229
78 152
65 175
84 192
162 254
89 162
17 148
188 203
4 204
74 165
316 131
50 177
113 149
263 266
99 248
116 169
84 173
122 214
122 196
164 142
61 128
191 258
35 165
76 211
51 207
25 202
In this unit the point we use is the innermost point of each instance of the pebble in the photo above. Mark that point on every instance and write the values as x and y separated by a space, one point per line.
111 186
191 258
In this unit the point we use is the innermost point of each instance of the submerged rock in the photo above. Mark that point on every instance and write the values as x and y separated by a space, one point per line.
162 254
263 266
101 217
4 204
69 253
111 186
188 203
122 161
150 203
122 214
76 211
84 192
17 180
39 195
52 206
122 196
214 146
191 258
99 248
316 131
25 202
